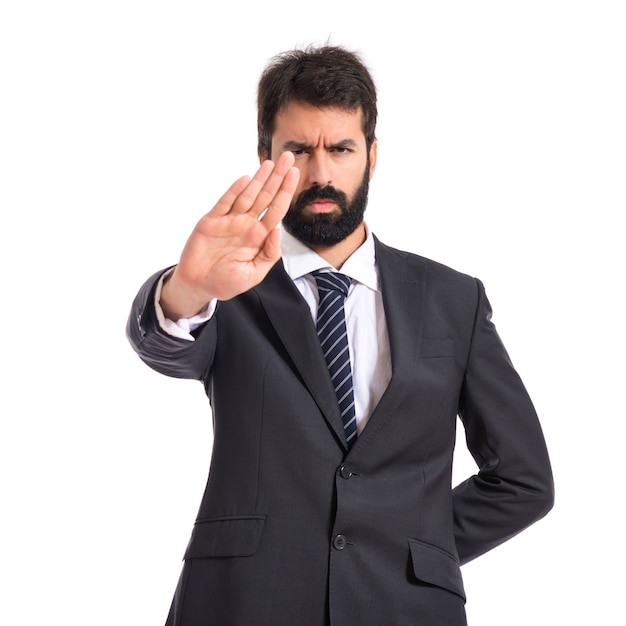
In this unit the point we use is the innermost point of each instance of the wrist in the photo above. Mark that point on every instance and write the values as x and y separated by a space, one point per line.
178 300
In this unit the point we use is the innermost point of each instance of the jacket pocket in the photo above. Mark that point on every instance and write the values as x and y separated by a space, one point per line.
434 348
435 566
225 537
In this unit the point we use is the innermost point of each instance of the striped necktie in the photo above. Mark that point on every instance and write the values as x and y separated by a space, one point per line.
331 329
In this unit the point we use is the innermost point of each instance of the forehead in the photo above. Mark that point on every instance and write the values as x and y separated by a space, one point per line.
304 122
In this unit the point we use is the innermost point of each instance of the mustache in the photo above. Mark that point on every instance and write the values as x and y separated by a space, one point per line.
321 193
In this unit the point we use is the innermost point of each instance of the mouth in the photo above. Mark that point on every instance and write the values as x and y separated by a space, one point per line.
321 206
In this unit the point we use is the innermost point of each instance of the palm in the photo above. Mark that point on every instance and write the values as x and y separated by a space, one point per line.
225 254
233 246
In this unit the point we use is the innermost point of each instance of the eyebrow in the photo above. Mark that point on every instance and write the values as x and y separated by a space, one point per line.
301 145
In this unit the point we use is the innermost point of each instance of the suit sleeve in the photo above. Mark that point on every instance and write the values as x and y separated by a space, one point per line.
169 355
514 485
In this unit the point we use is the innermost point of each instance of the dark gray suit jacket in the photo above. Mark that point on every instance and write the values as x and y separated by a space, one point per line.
294 529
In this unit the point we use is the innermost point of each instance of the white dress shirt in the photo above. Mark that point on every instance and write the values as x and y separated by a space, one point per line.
365 316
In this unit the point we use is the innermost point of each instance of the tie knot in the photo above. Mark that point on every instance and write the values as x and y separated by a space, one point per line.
332 281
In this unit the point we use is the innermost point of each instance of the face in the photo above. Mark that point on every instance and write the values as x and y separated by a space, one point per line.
335 170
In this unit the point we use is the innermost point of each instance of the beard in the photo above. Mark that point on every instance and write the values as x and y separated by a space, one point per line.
322 230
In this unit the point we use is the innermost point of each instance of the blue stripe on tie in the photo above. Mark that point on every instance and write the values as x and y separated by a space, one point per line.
331 328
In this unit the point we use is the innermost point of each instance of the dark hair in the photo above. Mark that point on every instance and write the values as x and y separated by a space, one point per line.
327 76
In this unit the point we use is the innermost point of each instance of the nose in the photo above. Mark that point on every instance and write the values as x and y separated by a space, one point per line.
319 169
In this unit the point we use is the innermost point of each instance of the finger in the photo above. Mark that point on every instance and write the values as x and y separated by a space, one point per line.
256 192
248 196
273 184
281 201
225 203
270 253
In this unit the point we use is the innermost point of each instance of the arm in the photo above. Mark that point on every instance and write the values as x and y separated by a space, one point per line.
230 250
514 485
165 353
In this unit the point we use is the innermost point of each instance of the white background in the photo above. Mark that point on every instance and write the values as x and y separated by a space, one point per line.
501 152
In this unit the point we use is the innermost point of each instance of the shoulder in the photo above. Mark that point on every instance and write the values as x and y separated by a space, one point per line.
419 268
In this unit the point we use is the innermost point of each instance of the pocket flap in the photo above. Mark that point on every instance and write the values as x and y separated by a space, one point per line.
436 567
225 536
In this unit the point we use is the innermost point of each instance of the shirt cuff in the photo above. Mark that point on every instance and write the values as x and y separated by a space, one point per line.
182 328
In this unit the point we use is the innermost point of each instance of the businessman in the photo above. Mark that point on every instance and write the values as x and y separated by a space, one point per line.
337 369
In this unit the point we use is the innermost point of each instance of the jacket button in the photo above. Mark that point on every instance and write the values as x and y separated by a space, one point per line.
345 471
339 542
142 331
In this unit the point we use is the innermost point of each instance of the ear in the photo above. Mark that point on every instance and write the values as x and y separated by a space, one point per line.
373 156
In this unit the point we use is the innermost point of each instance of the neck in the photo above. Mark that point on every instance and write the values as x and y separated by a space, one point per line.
338 254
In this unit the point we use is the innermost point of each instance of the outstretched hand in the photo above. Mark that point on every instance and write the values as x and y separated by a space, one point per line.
234 245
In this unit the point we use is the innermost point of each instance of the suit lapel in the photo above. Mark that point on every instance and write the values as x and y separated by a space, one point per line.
291 318
403 282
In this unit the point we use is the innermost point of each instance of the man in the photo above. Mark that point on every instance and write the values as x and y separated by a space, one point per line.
328 507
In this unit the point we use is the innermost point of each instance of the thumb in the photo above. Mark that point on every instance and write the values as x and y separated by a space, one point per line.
270 253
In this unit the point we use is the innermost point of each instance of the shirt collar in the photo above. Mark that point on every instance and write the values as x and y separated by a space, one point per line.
300 260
